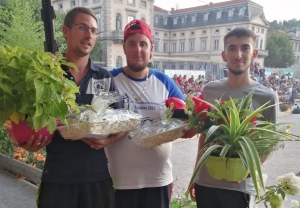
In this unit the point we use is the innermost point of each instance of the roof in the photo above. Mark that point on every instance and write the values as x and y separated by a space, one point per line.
203 7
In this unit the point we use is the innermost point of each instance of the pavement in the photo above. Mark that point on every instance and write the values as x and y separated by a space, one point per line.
17 193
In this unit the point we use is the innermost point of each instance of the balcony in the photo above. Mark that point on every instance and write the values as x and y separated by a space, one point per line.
118 36
263 53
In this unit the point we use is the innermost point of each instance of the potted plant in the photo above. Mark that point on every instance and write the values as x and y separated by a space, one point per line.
33 92
236 140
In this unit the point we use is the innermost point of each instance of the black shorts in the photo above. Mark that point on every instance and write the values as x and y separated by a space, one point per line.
207 197
157 197
88 195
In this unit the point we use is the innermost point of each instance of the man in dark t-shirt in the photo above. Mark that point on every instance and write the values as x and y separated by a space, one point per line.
76 174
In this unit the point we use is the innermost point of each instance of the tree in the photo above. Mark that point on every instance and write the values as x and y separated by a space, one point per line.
19 25
58 24
96 52
281 53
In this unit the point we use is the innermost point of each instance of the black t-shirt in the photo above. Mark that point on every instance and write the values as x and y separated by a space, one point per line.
70 162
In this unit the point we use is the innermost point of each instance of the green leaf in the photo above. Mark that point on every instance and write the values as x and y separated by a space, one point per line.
39 110
40 121
51 126
58 109
43 91
225 150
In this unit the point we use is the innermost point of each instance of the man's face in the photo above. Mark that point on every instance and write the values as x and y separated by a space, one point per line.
81 37
138 50
238 53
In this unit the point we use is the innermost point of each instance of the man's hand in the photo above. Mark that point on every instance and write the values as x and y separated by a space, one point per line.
190 133
98 143
192 191
34 144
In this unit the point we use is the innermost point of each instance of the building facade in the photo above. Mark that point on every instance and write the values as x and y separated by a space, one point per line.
295 40
189 38
192 38
112 17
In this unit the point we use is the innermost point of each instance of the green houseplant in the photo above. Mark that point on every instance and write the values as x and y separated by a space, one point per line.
233 131
33 88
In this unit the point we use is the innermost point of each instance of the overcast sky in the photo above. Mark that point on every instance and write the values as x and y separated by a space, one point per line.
273 9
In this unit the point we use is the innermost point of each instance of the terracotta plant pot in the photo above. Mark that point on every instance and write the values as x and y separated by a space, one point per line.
234 171
21 132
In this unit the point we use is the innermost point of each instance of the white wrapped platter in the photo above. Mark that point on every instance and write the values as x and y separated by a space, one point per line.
143 139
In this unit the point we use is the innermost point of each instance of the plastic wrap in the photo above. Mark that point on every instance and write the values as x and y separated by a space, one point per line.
99 120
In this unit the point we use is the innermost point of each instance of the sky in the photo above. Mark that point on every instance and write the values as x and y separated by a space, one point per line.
273 9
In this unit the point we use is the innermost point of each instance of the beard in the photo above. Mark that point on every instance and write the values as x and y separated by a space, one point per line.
136 68
239 72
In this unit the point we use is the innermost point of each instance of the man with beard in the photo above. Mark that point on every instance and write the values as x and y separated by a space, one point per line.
76 174
142 176
239 52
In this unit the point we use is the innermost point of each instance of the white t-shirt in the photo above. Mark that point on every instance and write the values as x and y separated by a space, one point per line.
132 166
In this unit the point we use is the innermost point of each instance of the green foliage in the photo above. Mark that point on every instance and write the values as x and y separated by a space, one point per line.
95 54
231 129
182 202
58 24
150 64
283 107
7 146
281 53
19 25
285 25
33 84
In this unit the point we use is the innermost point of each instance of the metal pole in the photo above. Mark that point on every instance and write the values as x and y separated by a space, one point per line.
48 15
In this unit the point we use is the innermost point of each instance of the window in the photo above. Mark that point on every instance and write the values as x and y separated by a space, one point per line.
191 67
217 30
219 14
204 32
156 20
192 44
98 16
262 31
253 29
183 19
181 46
194 18
155 43
165 20
192 33
95 1
228 29
84 2
156 33
174 34
173 47
155 66
230 13
203 45
257 29
130 18
257 43
261 44
119 61
130 1
242 11
165 47
175 20
164 66
73 3
173 66
216 44
205 18
181 66
118 22
166 34
143 4
60 6
182 34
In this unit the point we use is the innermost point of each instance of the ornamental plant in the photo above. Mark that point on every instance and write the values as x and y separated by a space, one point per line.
33 87
232 129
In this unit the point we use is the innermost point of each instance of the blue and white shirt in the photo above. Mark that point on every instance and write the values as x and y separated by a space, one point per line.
132 166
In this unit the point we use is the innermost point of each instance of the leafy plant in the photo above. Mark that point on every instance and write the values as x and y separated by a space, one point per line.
7 146
232 130
33 87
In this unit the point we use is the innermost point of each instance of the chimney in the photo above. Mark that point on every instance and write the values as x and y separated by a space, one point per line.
172 9
210 3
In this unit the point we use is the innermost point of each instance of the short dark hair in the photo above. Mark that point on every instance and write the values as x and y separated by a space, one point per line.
240 32
72 14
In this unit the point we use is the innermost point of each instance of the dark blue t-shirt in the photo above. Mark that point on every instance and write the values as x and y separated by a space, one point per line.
70 162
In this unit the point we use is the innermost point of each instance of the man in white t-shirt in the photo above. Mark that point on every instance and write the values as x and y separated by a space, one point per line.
141 176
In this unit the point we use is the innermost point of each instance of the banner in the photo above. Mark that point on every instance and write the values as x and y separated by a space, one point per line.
291 71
